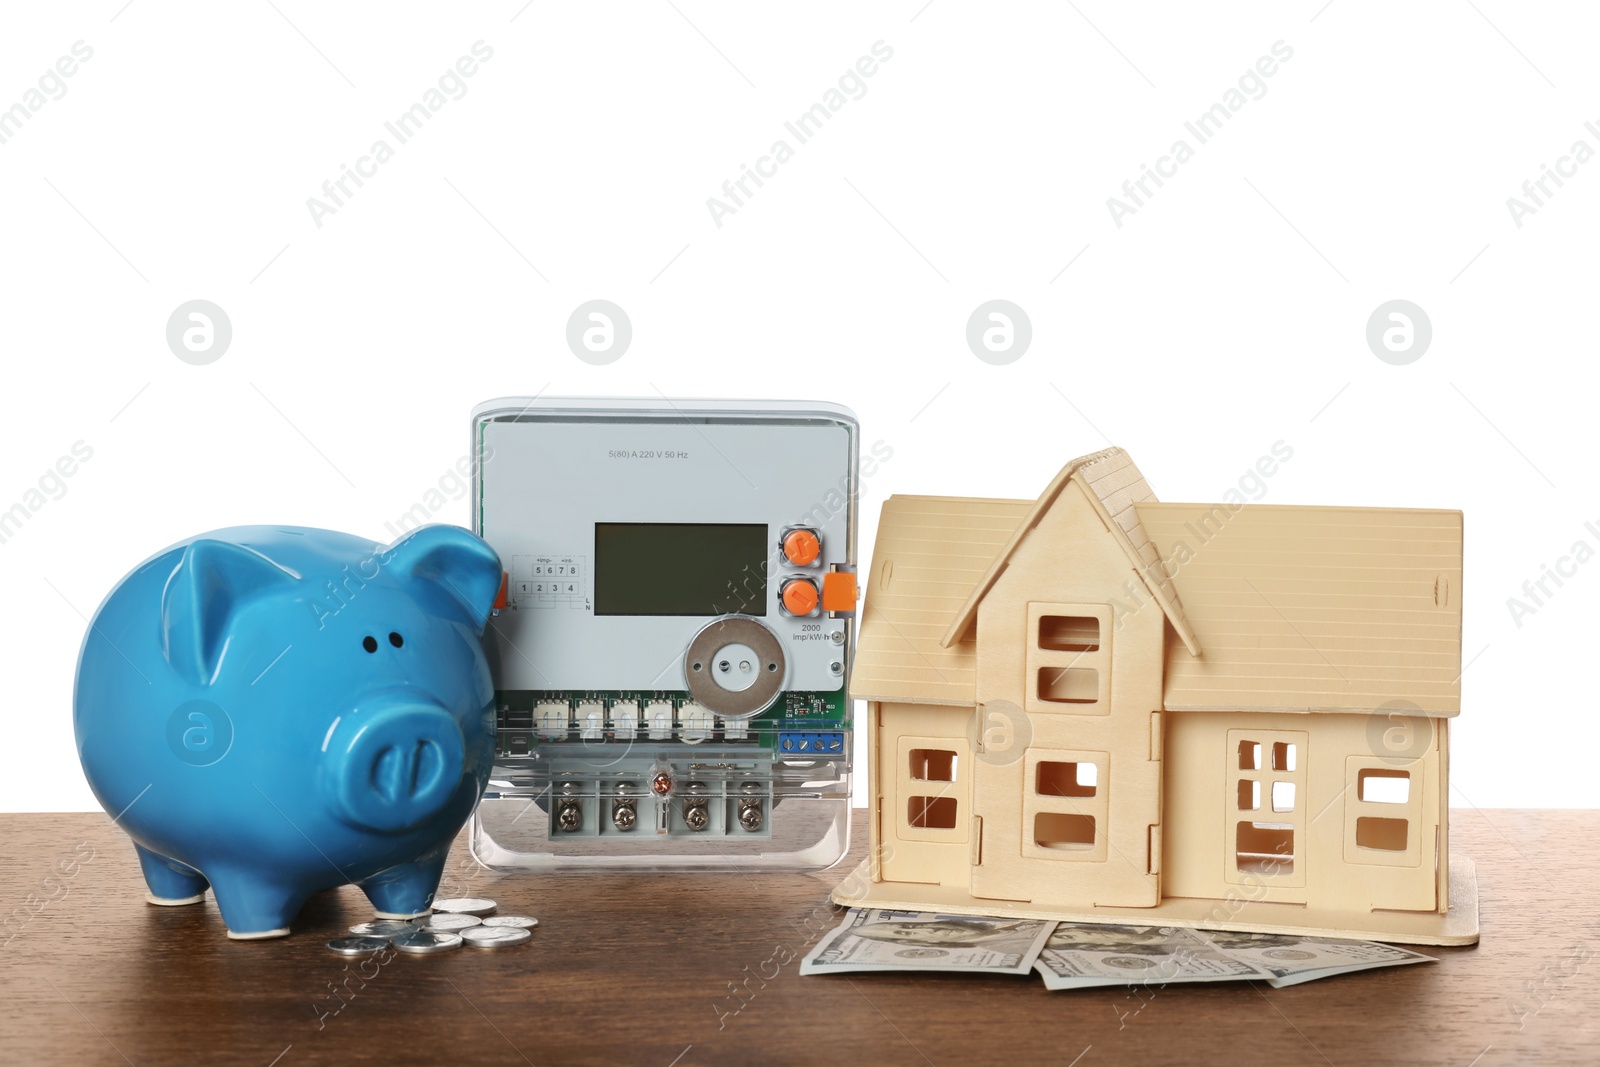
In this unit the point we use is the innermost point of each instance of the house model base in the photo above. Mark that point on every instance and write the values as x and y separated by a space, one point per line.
1098 707
1457 926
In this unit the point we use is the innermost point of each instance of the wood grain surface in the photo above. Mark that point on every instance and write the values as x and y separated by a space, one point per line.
690 969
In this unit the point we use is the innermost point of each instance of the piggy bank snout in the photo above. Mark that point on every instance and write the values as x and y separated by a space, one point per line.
395 768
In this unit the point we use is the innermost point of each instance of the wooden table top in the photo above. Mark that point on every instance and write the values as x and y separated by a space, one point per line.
689 969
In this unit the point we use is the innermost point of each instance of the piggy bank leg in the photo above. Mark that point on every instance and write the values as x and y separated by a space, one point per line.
253 907
171 883
406 891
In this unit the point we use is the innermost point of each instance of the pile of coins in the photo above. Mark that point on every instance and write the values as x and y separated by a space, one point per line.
455 921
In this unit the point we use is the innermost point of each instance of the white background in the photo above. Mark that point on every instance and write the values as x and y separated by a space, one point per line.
1227 314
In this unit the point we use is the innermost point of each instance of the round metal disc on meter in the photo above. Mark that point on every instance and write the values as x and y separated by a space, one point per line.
735 667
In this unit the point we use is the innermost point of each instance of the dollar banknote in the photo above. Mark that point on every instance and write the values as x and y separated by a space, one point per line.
1085 955
875 939
1292 959
1079 956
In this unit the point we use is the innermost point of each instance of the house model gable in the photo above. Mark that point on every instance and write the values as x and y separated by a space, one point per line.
1114 486
1099 706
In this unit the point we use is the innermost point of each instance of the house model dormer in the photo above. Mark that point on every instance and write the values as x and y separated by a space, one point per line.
1099 707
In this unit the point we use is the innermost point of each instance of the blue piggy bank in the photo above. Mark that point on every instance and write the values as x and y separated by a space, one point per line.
274 711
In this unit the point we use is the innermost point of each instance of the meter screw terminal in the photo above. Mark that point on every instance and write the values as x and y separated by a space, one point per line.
569 813
624 809
750 806
696 807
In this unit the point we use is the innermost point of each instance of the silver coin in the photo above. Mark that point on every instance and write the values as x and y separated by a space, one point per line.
521 922
382 928
496 936
423 942
358 946
445 920
465 905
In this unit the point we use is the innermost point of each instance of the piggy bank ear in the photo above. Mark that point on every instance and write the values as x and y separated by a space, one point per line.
462 565
211 580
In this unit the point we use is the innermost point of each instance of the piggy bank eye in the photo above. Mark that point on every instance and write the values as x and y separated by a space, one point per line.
395 639
369 643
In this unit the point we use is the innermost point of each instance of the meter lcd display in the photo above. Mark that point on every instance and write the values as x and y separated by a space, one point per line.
680 568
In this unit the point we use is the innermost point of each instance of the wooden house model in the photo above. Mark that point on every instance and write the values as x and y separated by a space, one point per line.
1099 707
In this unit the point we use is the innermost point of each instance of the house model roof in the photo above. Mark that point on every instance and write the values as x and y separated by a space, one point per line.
1313 608
930 554
1271 608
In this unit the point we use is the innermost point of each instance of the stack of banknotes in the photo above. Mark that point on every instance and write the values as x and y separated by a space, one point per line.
1081 955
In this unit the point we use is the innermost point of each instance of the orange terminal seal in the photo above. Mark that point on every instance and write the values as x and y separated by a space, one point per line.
801 547
800 596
